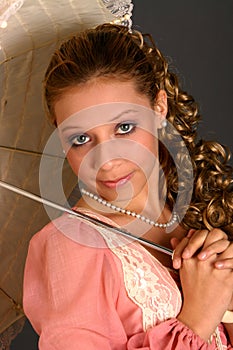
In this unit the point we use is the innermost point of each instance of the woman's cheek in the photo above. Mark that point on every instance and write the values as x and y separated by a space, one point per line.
74 162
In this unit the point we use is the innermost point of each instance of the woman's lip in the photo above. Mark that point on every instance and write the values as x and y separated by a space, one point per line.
118 182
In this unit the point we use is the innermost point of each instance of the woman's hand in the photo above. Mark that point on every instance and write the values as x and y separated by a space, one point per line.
207 294
225 261
203 244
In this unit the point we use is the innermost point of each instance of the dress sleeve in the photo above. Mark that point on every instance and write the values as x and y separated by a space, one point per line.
173 334
70 294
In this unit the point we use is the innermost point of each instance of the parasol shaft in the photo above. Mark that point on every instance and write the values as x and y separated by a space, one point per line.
86 217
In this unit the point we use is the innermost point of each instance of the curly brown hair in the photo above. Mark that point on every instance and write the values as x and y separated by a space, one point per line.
112 51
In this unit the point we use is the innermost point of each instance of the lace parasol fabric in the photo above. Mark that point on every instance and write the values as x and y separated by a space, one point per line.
10 333
122 10
7 9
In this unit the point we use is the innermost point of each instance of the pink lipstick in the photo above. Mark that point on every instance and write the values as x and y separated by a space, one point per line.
118 182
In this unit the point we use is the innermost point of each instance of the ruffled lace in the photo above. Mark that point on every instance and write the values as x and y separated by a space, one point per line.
9 8
10 333
148 284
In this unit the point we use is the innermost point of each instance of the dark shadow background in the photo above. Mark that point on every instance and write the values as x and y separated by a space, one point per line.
197 38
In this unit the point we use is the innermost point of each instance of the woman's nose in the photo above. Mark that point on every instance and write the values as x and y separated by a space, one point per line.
110 164
106 155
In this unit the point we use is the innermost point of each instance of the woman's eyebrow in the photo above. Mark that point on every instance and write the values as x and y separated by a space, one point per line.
116 117
71 127
123 113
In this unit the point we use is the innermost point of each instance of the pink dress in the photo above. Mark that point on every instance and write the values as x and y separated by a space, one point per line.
86 288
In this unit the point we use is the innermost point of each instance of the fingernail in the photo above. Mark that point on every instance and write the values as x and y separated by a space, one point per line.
186 254
190 233
219 264
176 263
202 255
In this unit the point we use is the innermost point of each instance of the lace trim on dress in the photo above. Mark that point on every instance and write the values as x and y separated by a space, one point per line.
148 284
217 339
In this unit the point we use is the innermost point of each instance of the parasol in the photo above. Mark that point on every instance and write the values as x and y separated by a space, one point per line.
30 30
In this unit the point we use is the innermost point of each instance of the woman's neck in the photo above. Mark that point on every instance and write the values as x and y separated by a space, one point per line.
131 224
134 223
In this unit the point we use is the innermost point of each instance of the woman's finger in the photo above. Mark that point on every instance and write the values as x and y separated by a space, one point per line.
196 242
225 259
216 242
214 235
174 242
224 264
204 242
177 253
214 248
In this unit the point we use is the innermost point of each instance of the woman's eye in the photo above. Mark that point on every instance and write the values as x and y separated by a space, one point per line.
79 140
125 128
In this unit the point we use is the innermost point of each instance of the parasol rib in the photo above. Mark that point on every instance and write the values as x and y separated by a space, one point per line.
24 151
86 217
16 305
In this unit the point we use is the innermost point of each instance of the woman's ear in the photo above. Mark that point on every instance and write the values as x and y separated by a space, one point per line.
161 104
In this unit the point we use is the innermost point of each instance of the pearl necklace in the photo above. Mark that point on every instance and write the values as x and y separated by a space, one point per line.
128 212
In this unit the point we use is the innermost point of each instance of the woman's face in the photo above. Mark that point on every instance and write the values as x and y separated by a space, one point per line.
108 131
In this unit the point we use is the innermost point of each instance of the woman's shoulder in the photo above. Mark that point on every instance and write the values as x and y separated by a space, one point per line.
69 230
69 244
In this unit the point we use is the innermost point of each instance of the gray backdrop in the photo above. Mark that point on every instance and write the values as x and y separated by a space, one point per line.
196 35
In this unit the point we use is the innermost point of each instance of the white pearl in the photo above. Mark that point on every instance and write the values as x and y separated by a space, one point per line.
128 212
3 24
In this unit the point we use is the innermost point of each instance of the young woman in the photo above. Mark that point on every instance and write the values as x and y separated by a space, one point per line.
129 134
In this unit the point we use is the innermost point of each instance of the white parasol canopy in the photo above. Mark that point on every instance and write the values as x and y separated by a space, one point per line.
30 30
